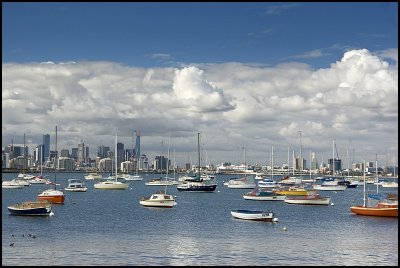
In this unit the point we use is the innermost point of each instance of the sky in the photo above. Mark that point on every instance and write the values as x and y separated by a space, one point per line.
260 81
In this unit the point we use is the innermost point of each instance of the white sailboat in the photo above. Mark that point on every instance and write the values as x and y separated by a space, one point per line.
160 199
245 182
112 184
162 181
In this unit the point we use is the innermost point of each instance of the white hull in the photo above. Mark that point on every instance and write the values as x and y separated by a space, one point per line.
163 203
265 198
111 185
93 176
82 189
330 187
242 186
133 178
389 184
158 200
16 186
321 201
162 183
254 215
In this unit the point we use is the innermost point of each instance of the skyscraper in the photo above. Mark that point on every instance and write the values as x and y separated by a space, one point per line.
137 145
46 147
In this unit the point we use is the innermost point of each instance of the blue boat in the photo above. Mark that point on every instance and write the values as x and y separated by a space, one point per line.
31 208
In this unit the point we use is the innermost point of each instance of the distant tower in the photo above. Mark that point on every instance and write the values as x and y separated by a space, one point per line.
81 152
137 145
46 147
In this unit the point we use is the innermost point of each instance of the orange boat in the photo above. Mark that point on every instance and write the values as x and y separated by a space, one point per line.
382 209
52 195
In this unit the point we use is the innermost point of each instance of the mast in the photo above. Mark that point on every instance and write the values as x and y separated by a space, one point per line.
272 162
364 185
293 163
310 164
166 176
301 161
55 164
333 158
198 149
115 156
288 161
162 157
376 172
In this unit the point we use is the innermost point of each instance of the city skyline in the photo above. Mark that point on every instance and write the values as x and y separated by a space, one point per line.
242 74
310 158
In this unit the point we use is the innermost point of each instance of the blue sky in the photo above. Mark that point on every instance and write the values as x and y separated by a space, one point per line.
161 34
243 74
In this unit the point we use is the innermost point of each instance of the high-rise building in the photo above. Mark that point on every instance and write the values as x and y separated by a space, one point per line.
338 164
137 145
74 153
102 151
39 154
314 163
46 147
120 153
64 153
160 163
81 153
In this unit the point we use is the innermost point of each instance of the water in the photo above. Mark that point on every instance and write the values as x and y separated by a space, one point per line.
101 227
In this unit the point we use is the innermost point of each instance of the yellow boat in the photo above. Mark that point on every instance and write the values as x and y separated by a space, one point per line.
292 191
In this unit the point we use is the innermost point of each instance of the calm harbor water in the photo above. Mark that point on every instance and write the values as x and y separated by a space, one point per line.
101 227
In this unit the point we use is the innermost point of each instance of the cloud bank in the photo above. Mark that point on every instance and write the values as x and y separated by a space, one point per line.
354 101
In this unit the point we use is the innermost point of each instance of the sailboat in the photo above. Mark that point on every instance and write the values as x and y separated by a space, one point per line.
245 182
334 185
197 183
384 207
112 183
167 180
53 195
136 176
160 198
295 189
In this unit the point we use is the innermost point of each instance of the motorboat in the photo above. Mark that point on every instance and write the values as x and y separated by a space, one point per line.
31 208
312 199
75 185
196 185
12 184
255 215
158 199
267 183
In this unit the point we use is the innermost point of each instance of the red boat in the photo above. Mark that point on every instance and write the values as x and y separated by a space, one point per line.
52 195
